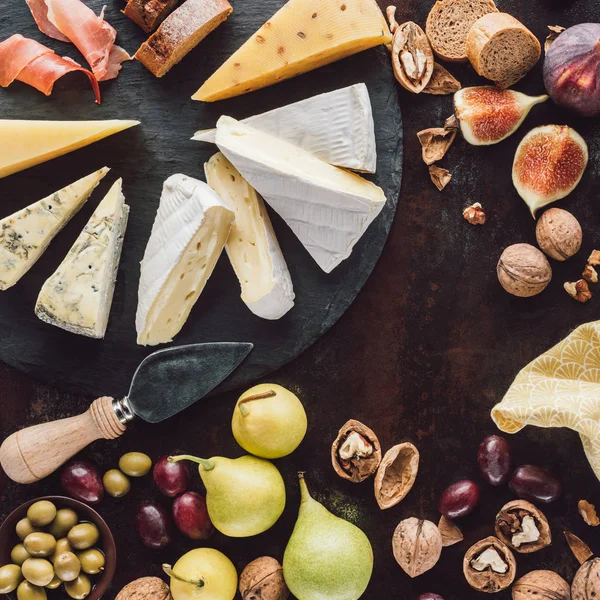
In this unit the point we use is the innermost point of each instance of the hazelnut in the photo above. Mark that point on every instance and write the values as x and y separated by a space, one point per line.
475 214
356 452
262 579
541 585
578 290
146 588
523 527
489 566
559 234
586 585
523 270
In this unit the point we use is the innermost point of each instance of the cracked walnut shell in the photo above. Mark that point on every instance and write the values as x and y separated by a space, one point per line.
523 271
523 527
396 474
489 566
356 452
541 585
417 546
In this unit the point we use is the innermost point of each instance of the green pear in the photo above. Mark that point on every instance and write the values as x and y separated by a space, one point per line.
244 496
326 558
269 421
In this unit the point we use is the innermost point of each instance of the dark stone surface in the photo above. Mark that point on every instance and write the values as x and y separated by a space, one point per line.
425 351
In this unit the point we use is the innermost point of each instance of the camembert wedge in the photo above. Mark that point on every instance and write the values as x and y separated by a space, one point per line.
303 35
252 247
337 127
24 144
328 208
25 235
191 227
78 296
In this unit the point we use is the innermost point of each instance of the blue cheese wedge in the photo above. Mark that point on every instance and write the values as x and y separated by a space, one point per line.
25 235
252 246
189 233
78 296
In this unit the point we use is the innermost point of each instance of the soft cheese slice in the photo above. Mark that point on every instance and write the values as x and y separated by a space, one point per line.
252 247
78 296
24 144
337 127
191 227
328 208
300 37
25 235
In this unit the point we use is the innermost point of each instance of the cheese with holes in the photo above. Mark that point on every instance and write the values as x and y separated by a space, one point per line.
191 227
78 296
25 235
328 208
337 127
252 247
300 37
24 144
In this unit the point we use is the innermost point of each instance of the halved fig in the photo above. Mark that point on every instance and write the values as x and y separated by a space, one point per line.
549 163
488 114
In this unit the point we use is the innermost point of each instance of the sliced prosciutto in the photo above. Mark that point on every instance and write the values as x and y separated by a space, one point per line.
26 60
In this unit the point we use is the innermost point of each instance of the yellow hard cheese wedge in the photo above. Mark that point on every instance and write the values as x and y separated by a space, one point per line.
24 144
300 37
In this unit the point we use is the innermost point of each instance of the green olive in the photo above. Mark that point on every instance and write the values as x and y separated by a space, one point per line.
79 588
27 591
116 483
19 555
67 566
24 528
40 544
55 583
83 536
135 464
41 513
38 571
92 561
10 578
64 521
62 546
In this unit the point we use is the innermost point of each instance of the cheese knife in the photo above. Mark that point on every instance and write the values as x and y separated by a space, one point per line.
164 384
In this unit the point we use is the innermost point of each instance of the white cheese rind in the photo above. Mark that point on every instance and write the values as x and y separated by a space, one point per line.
26 234
189 233
337 127
252 246
328 208
78 296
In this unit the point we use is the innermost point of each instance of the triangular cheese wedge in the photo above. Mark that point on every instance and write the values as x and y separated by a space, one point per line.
78 296
328 208
24 144
337 127
300 37
25 235
252 247
189 233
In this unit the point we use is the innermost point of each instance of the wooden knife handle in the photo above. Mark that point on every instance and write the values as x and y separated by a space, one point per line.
35 452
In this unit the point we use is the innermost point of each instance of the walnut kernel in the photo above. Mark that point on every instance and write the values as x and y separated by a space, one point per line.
475 214
590 274
578 290
588 513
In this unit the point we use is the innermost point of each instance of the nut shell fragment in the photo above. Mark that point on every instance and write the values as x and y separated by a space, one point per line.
581 551
559 234
586 585
146 588
412 57
435 142
509 523
541 585
555 31
417 546
451 533
396 475
262 579
489 580
440 177
442 82
356 468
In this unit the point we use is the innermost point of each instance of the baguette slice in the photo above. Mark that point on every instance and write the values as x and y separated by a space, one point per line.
149 14
449 22
181 32
502 49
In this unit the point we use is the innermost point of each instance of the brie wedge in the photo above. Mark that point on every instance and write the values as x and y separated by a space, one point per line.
78 296
328 208
191 227
252 247
336 127
25 235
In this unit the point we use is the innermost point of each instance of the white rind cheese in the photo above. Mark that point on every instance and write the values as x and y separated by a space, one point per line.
336 127
191 227
26 234
252 246
328 208
78 296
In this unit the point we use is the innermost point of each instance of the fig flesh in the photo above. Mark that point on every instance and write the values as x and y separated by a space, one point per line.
549 163
489 115
572 69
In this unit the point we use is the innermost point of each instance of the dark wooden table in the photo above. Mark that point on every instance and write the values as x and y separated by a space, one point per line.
429 346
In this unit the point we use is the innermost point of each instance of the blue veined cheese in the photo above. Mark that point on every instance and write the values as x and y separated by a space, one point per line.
252 246
26 234
78 296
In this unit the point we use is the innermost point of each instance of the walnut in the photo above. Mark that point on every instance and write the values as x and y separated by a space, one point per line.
396 475
435 142
262 579
523 527
442 82
578 290
581 551
541 585
523 270
451 533
146 588
586 585
475 214
489 566
594 258
417 546
590 274
356 452
440 177
559 234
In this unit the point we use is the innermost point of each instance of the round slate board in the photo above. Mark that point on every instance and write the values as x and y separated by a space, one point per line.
144 157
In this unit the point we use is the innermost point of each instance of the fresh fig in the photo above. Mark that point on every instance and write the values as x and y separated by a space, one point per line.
572 69
549 164
489 115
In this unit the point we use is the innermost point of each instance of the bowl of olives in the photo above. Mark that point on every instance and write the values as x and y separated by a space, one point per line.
56 547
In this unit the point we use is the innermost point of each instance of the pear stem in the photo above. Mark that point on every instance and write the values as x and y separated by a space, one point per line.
304 493
199 583
242 403
207 465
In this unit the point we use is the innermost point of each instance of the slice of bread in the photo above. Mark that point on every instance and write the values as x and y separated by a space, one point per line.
502 49
149 14
449 22
181 32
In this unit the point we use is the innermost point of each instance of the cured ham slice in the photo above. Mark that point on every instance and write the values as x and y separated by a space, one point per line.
26 60
39 10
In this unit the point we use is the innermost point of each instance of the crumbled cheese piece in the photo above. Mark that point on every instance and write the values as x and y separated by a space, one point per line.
489 559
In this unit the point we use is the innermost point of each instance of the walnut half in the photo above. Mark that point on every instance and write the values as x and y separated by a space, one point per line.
523 527
489 566
356 452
